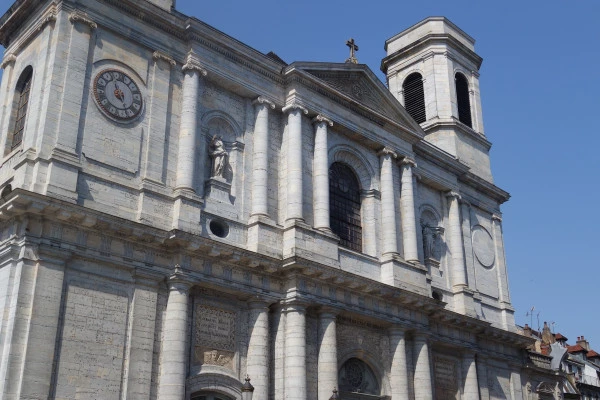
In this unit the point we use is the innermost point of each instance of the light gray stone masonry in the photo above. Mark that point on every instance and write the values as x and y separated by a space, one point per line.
173 361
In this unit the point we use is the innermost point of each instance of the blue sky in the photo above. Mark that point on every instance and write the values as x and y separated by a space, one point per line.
540 89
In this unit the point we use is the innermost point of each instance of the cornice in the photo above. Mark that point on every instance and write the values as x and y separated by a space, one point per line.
316 85
457 125
431 40
12 22
483 186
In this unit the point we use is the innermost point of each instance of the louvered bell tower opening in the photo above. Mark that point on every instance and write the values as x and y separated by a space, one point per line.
462 100
414 97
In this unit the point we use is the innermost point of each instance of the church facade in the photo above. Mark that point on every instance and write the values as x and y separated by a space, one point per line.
180 211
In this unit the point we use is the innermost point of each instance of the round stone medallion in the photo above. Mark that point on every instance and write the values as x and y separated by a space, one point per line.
483 246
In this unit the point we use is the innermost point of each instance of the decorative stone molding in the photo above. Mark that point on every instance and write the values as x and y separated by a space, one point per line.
322 119
262 100
81 17
192 63
452 194
408 161
294 106
48 18
497 218
158 55
386 151
8 59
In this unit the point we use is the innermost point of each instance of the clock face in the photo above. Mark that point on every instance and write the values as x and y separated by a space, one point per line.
117 95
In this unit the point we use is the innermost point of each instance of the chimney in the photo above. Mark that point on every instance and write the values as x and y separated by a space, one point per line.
527 331
547 336
583 343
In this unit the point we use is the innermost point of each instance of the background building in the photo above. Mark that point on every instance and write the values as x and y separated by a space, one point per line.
180 210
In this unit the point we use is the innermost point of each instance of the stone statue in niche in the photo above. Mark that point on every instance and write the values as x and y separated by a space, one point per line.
431 241
219 157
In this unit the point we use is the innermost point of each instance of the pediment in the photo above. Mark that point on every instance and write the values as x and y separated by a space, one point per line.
359 83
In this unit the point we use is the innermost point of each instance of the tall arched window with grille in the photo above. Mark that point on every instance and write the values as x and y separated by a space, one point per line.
414 97
20 103
462 99
344 206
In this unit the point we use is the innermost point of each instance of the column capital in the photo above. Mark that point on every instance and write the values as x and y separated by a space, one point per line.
408 161
386 151
294 305
453 195
159 55
328 312
256 303
294 106
192 63
179 281
81 17
261 100
9 58
321 119
497 218
421 337
397 331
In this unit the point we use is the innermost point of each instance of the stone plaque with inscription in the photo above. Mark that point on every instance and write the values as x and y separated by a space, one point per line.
214 336
446 378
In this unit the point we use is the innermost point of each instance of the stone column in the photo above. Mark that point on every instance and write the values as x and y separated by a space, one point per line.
76 68
295 351
321 175
257 361
260 158
158 110
388 202
7 64
294 162
142 322
327 363
186 160
471 389
398 373
407 211
423 385
459 274
173 361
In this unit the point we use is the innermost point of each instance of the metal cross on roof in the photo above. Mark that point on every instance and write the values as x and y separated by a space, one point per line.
353 49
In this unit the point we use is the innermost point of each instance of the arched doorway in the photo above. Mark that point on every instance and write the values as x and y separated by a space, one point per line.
209 396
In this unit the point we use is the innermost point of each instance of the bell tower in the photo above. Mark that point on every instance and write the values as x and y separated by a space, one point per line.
433 70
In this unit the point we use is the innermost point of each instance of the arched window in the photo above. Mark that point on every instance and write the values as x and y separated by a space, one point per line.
414 97
356 376
344 205
21 100
462 99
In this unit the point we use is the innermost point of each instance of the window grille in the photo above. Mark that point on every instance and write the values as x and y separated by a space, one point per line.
414 97
344 203
463 101
22 97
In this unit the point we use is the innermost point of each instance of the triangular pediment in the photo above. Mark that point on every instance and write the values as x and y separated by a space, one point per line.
359 83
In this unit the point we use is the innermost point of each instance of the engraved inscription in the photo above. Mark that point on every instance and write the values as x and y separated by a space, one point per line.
214 336
445 378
